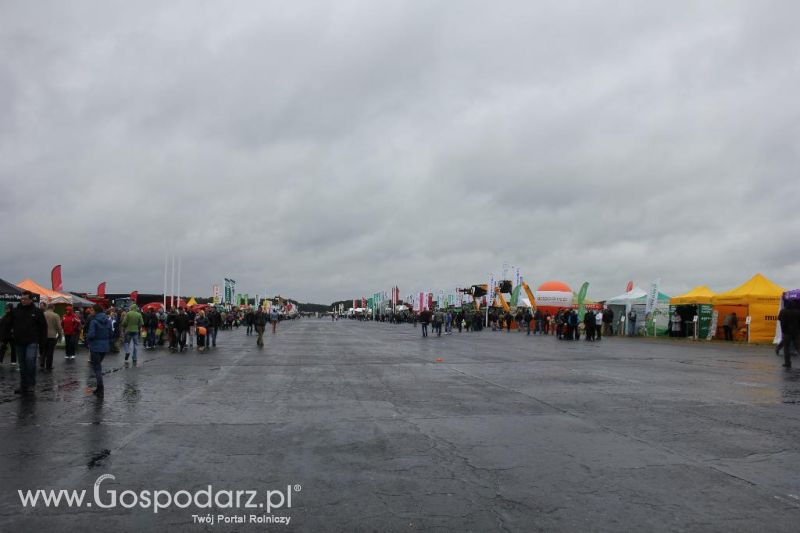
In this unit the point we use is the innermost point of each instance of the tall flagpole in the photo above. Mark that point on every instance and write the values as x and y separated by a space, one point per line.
179 281
165 279
172 284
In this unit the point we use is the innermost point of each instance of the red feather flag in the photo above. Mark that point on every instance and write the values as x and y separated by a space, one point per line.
55 278
101 290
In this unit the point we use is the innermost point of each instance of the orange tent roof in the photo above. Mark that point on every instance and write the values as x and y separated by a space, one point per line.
50 296
756 289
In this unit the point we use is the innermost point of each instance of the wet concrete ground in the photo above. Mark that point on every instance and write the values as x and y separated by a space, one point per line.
506 433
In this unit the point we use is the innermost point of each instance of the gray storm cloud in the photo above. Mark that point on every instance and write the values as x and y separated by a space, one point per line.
327 150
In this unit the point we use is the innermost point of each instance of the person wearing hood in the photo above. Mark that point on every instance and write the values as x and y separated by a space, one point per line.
71 325
98 338
131 325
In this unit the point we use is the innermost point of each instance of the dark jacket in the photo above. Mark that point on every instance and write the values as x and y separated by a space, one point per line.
790 321
150 320
260 318
181 322
425 317
98 338
25 325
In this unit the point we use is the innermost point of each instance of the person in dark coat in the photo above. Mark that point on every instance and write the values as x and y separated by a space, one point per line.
27 327
260 321
9 343
98 339
181 324
589 325
214 323
789 318
425 319
527 317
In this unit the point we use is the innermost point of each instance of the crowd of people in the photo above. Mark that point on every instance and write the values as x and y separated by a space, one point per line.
564 324
29 333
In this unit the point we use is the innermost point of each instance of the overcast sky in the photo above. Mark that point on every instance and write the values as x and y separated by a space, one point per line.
327 150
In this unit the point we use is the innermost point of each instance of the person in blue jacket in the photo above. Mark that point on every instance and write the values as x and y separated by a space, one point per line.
98 338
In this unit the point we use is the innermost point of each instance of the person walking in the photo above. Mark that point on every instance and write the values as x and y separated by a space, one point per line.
527 316
260 319
214 323
98 338
7 344
181 326
27 327
424 320
54 334
201 329
71 326
248 320
131 325
730 325
274 317
789 318
150 320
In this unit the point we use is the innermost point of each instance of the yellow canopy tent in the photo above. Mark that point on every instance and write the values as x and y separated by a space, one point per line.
758 298
699 295
191 302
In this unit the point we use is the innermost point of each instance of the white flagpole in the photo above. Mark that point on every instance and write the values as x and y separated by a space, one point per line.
179 281
165 280
172 284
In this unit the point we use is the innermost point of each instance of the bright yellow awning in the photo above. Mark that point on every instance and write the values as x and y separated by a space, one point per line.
699 295
757 289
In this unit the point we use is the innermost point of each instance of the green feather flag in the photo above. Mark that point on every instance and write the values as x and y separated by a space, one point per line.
581 298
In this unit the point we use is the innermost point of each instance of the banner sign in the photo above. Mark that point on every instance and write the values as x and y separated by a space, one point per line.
581 298
55 279
652 297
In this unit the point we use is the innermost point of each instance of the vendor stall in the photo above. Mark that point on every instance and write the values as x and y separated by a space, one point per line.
695 310
759 299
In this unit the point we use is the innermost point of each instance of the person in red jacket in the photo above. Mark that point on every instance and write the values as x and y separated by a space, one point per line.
71 325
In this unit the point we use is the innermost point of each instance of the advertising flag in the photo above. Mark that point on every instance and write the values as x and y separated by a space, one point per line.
652 297
55 278
581 298
101 290
134 296
490 290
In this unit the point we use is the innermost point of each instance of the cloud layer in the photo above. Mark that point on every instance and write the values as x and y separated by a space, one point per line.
329 150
